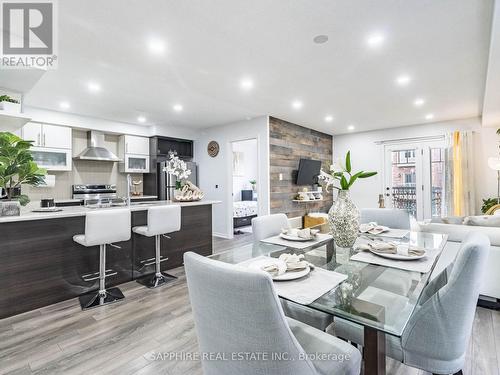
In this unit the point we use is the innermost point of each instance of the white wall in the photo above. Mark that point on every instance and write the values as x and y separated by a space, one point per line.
367 155
250 168
215 174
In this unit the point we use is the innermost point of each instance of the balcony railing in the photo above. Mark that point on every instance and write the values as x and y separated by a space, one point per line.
405 198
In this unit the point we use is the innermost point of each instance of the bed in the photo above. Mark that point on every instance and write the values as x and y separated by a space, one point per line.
245 210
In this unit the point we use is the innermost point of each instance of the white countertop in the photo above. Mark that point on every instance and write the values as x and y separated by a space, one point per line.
72 211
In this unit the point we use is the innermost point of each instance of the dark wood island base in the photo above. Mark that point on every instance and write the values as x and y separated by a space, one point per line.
40 264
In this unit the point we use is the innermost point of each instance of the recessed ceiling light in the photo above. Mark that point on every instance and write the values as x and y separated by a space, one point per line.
328 118
64 105
178 108
94 87
375 40
351 127
403 80
141 119
246 84
156 46
429 116
320 39
297 104
419 102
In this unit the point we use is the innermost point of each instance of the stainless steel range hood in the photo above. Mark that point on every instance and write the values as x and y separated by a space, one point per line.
95 149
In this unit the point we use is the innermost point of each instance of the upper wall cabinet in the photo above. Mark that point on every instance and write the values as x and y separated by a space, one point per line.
51 145
135 154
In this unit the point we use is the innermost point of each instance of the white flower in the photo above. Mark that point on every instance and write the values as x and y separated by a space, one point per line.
177 167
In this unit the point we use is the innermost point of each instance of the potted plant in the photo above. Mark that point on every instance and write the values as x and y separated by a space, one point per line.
343 216
16 168
9 104
178 168
254 184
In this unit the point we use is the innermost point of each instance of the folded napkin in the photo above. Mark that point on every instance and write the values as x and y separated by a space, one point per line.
276 268
306 233
372 228
294 262
383 247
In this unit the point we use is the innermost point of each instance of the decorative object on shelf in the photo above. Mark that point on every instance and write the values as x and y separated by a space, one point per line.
254 184
189 193
16 167
213 149
381 201
135 185
178 168
343 216
9 104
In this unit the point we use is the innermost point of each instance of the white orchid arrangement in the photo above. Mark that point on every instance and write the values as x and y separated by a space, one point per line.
177 168
342 173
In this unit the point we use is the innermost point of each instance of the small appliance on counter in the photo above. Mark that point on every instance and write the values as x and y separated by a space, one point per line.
47 205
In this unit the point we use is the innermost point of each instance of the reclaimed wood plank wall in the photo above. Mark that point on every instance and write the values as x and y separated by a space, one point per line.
289 143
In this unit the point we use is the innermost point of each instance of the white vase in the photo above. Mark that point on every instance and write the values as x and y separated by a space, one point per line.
9 107
343 218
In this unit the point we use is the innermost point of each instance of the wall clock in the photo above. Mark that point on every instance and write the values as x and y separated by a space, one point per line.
213 149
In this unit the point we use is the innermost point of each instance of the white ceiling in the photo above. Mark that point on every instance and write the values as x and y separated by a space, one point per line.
210 45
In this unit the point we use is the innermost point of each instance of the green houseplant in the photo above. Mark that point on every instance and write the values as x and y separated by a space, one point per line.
9 104
16 168
343 216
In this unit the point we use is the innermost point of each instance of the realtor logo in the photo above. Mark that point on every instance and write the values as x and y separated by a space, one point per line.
28 34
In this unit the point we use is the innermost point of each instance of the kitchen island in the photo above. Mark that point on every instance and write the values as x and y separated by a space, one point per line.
41 264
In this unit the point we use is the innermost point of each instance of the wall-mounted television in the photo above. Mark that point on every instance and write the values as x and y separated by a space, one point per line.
308 172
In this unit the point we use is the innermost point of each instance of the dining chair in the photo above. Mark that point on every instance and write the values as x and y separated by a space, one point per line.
435 338
268 225
271 225
389 217
238 315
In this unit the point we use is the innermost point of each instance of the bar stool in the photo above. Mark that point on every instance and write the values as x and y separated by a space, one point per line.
161 221
103 227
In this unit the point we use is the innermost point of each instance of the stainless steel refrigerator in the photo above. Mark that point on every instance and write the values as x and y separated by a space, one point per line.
166 182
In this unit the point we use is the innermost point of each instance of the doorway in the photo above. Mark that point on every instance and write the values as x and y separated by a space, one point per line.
245 197
414 178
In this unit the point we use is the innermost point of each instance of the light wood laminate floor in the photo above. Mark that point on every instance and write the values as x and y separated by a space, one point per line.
123 338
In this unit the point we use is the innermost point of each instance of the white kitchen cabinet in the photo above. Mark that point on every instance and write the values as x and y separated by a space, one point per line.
52 145
135 154
56 136
131 144
32 131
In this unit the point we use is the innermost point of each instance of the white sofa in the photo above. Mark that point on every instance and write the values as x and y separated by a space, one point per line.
456 233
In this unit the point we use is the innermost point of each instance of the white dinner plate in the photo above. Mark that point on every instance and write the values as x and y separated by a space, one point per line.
293 275
398 256
294 238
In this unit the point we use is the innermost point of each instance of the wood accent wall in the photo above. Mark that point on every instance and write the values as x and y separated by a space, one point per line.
289 143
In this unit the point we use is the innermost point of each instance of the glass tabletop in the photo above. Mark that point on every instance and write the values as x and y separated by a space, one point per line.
376 296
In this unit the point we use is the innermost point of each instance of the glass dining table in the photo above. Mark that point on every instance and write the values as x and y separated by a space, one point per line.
379 298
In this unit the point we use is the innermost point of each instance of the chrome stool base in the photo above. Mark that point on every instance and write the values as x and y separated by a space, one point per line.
156 280
95 299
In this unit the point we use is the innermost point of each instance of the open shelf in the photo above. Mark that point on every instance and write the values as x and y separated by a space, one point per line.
10 122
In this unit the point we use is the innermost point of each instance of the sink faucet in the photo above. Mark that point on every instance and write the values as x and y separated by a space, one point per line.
129 186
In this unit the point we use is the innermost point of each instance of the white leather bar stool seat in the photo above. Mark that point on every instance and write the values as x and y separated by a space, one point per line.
103 227
162 220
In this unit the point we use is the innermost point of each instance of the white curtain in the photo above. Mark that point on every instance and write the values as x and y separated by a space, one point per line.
459 174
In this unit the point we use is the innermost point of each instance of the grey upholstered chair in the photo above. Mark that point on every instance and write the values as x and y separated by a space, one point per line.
390 217
435 339
236 310
271 225
268 226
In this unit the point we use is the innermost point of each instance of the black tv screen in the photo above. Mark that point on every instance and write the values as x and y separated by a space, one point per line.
308 172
